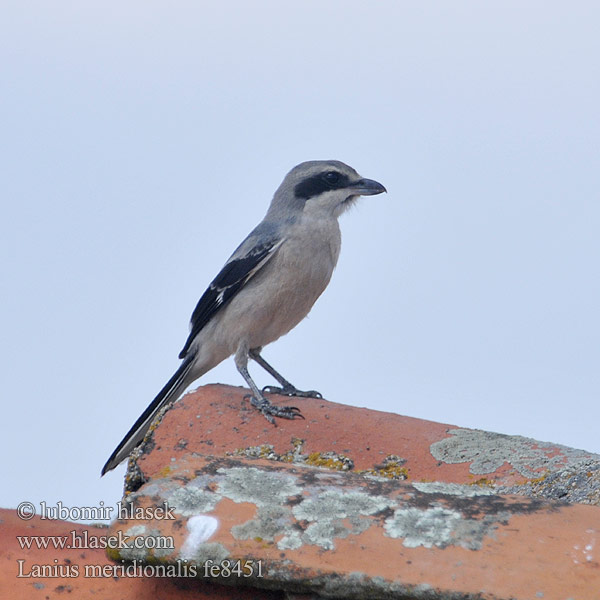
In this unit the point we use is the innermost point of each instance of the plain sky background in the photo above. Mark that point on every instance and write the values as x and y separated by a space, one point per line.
141 141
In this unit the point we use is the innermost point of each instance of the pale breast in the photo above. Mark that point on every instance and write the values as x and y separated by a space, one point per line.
282 293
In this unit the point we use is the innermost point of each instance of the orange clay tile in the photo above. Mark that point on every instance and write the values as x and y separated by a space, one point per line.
64 570
216 420
354 503
350 503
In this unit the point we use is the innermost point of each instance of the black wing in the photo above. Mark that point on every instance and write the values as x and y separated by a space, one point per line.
238 270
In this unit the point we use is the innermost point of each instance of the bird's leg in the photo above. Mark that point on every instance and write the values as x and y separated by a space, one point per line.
258 399
286 389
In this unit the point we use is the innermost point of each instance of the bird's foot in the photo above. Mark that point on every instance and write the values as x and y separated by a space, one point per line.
270 411
290 390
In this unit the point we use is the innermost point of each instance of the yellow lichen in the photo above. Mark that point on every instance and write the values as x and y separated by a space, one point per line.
389 472
483 482
164 472
113 554
328 460
391 468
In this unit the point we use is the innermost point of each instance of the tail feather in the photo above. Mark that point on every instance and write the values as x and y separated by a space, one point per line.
171 391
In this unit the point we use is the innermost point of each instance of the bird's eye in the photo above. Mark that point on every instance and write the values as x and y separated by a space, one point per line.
331 177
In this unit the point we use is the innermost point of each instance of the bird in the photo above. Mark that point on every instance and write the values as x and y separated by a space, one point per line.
268 285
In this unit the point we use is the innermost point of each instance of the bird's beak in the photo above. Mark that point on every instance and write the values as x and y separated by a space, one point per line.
366 187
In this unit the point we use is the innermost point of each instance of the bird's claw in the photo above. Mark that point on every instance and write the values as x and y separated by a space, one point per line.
270 410
291 391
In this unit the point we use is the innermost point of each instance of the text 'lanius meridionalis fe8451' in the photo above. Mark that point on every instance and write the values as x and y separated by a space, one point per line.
266 288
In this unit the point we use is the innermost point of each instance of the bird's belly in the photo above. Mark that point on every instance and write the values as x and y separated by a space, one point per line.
283 311
287 302
276 299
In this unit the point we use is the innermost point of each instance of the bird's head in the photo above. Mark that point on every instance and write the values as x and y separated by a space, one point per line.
325 187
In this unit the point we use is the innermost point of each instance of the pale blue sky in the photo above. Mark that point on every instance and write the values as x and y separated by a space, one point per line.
142 140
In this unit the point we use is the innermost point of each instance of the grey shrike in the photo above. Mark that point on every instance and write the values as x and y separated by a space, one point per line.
265 289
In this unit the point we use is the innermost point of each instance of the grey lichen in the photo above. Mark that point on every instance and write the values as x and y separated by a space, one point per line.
336 504
190 500
327 510
452 489
209 552
430 527
290 541
440 527
249 484
487 452
290 513
140 547
270 521
580 484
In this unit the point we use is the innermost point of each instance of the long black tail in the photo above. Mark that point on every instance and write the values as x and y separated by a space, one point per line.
172 390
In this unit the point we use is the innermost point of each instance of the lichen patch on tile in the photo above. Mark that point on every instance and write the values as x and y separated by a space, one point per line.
191 500
452 489
488 451
326 511
248 484
441 527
